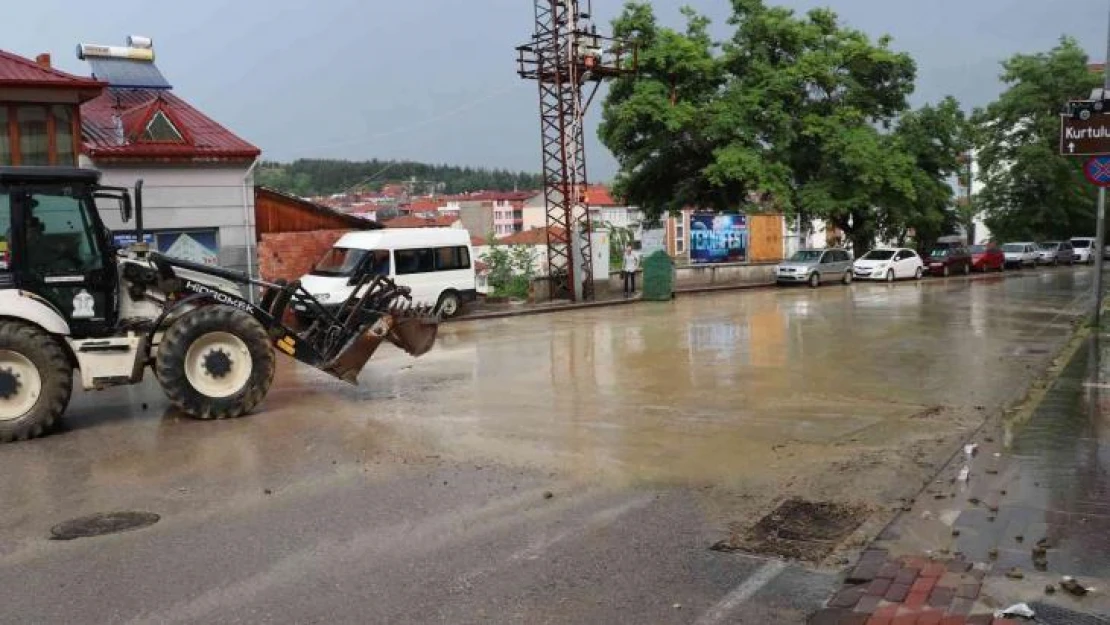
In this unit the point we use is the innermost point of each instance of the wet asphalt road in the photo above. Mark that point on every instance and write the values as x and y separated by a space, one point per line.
423 495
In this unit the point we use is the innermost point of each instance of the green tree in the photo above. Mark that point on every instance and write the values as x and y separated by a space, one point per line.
791 111
934 137
511 269
324 177
1030 191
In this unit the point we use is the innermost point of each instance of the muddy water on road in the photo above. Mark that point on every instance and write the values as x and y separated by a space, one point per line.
707 388
840 392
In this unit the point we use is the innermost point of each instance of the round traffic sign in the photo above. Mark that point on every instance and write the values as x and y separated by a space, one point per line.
1097 170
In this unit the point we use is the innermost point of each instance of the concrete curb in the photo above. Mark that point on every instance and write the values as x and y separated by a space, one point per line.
521 312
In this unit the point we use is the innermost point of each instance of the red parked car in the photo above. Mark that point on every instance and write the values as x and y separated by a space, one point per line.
987 258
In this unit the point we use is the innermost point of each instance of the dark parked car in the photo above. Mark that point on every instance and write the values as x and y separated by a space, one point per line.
987 258
945 261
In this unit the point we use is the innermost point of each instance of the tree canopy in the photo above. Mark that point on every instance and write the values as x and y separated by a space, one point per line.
1030 191
306 177
794 113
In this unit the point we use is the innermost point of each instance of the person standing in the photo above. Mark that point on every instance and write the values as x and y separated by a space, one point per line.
629 267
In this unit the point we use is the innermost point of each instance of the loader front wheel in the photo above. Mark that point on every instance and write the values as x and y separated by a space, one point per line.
215 363
36 380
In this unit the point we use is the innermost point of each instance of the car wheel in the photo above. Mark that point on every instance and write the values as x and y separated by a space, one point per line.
848 277
919 273
967 269
1084 115
890 275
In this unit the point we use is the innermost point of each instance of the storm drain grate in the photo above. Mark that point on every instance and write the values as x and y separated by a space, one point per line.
101 524
799 529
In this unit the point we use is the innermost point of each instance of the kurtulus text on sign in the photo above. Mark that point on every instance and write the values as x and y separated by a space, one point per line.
1089 137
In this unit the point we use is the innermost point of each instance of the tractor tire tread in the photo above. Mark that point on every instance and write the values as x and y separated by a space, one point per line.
170 363
56 372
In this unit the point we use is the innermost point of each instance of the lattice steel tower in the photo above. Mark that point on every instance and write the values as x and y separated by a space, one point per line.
565 54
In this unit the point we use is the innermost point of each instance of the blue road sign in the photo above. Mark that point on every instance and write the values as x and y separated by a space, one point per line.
1097 171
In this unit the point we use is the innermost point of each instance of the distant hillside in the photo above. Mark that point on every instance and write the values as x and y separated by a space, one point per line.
308 177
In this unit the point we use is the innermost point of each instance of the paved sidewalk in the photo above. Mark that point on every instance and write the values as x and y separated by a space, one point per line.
1034 507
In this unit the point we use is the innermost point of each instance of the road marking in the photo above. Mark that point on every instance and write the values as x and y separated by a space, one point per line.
743 592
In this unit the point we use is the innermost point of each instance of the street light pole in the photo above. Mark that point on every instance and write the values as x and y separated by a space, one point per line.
1100 232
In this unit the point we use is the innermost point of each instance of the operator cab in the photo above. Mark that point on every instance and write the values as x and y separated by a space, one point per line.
57 246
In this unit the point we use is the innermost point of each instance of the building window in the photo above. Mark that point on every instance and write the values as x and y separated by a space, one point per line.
34 137
680 235
63 135
5 138
161 130
38 134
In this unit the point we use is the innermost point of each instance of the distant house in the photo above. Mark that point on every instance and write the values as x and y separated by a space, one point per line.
198 175
412 221
604 210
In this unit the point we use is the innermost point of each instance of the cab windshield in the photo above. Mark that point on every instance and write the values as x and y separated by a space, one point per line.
339 262
1015 248
940 252
1081 244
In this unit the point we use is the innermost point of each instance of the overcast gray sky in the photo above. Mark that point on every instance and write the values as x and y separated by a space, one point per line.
435 80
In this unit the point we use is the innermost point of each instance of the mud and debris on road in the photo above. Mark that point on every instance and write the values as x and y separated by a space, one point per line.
659 431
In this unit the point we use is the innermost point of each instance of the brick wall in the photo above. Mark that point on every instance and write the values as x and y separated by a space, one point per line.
290 255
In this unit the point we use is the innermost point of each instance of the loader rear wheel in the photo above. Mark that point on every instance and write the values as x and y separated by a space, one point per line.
215 363
36 380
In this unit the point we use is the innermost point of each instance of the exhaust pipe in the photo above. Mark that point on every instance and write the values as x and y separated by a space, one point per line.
139 235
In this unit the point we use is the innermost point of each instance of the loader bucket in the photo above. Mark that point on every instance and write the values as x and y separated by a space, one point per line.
415 335
350 360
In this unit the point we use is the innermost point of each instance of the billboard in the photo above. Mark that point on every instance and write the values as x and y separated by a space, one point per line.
199 246
718 238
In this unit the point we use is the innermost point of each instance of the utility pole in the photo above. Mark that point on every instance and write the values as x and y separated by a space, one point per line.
1100 232
564 55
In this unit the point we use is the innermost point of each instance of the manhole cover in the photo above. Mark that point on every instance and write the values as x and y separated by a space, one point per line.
101 524
799 529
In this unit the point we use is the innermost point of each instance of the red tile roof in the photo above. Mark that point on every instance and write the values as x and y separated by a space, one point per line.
412 221
205 140
598 195
16 71
535 236
422 205
478 241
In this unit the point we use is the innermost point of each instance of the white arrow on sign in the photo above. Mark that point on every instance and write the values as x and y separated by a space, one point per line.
1071 147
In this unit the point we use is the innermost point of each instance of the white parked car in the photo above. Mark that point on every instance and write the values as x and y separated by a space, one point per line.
1021 254
889 264
1083 248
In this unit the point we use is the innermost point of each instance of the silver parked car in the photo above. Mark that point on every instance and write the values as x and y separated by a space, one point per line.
1020 254
813 266
1056 253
